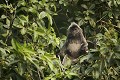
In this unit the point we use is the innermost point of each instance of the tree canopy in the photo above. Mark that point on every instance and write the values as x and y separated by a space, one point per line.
32 31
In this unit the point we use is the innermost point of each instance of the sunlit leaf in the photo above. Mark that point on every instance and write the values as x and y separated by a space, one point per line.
24 18
33 1
96 74
42 15
92 22
23 31
81 22
84 6
8 22
94 50
32 10
118 24
14 44
3 17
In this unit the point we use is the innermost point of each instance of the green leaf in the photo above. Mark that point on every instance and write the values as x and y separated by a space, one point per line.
110 14
32 10
96 74
110 3
42 15
51 65
92 22
88 70
101 66
60 2
82 59
50 19
8 22
87 17
36 65
84 6
29 51
118 1
6 34
16 45
81 22
73 74
117 55
21 3
23 31
2 50
24 18
3 17
39 32
92 6
13 62
94 50
21 68
118 24
33 1
13 41
53 5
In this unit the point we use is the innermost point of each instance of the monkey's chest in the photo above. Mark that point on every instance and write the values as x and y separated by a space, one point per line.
73 50
74 47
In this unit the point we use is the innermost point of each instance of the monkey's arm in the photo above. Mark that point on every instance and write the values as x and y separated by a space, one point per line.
84 44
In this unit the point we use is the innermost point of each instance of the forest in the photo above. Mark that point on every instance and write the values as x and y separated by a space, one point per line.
33 31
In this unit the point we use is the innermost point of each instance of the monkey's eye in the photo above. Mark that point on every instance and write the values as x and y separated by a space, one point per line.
75 28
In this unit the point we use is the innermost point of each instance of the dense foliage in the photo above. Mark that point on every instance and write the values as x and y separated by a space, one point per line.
32 31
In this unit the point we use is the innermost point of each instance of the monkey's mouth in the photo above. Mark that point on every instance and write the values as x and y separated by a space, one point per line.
75 33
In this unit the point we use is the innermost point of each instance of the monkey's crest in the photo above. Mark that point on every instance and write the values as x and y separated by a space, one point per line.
73 24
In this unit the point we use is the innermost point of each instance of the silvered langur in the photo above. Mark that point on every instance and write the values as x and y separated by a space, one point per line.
75 44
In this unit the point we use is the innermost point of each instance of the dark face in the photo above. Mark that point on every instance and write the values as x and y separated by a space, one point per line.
74 30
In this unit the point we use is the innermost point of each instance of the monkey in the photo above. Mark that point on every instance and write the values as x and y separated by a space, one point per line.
75 44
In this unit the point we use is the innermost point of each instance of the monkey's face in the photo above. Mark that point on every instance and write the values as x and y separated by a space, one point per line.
74 30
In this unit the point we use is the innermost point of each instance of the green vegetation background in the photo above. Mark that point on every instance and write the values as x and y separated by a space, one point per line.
32 31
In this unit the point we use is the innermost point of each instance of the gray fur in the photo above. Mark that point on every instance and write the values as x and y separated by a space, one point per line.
75 42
